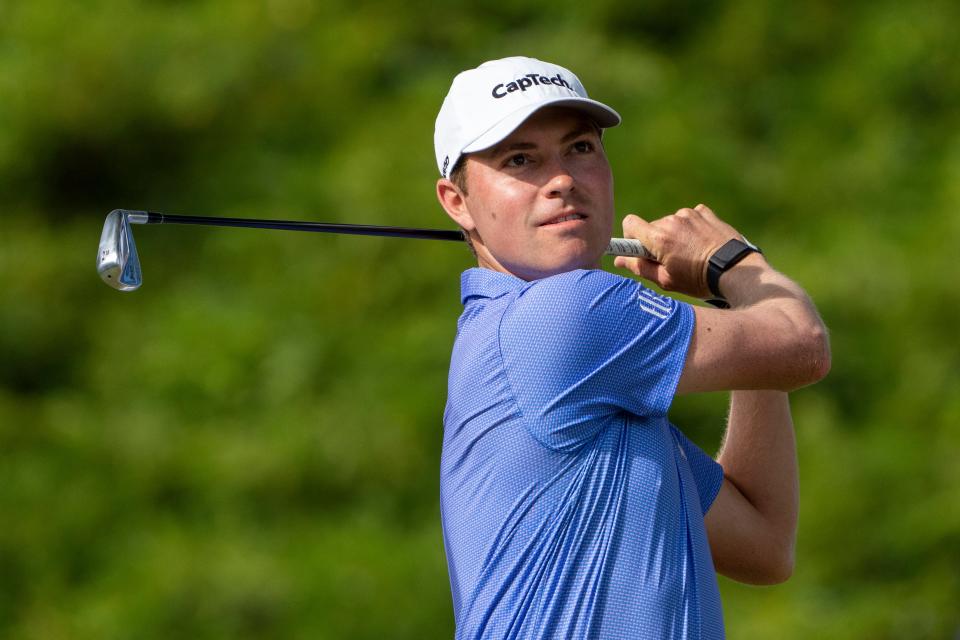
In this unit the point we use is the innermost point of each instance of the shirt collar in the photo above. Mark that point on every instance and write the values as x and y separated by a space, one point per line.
486 283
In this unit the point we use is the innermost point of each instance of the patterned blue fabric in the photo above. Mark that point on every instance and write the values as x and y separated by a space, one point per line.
571 507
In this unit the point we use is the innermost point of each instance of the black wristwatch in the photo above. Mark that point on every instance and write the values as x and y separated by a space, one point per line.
722 260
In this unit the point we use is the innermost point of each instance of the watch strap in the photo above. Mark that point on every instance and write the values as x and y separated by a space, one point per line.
722 260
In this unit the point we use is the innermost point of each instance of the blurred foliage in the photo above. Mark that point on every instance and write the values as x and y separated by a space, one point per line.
248 446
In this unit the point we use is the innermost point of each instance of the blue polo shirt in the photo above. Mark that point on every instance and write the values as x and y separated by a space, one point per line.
571 507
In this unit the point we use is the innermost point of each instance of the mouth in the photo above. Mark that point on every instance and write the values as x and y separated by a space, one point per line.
570 217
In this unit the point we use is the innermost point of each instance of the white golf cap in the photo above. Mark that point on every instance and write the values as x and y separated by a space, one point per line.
486 104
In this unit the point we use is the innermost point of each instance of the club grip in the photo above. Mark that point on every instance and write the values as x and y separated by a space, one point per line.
629 248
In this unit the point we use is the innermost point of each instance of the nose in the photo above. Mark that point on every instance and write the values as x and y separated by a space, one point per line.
561 181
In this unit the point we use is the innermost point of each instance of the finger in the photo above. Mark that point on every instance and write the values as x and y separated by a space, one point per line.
647 233
635 227
650 270
623 262
705 211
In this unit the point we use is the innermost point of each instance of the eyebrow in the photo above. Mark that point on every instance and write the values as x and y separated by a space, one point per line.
579 131
527 146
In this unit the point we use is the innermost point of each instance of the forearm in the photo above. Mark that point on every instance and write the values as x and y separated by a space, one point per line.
771 338
754 282
759 456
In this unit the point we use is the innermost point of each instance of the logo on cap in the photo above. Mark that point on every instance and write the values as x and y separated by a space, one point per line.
525 82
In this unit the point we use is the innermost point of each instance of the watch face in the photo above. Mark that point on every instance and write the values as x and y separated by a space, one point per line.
729 254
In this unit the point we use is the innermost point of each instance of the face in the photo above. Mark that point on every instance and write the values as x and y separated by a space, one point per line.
541 201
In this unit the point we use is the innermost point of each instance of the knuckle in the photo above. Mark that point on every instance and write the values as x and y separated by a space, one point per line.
680 221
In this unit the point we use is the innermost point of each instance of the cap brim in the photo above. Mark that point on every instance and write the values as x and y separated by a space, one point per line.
604 116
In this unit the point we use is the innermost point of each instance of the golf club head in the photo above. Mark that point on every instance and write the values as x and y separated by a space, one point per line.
117 260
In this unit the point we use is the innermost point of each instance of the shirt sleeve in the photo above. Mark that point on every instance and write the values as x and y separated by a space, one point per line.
707 472
581 347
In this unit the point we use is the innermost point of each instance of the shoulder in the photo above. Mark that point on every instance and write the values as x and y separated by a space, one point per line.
575 309
590 295
597 336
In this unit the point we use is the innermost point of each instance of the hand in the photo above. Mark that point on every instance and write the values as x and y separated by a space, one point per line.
682 244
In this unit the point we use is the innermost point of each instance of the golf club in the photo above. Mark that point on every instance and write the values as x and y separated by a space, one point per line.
119 265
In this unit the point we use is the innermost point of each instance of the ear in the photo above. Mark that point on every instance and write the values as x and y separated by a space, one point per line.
454 203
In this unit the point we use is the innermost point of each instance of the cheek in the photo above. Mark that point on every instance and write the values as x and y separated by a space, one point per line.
505 204
602 177
605 189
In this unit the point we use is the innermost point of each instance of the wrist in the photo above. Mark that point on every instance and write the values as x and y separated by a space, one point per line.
722 260
740 284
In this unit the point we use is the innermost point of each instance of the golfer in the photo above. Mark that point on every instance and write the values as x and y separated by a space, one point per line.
571 506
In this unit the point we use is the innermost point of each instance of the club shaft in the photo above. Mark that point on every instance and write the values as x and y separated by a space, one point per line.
618 246
151 217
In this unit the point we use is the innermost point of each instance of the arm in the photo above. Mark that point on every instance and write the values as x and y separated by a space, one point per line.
752 523
771 338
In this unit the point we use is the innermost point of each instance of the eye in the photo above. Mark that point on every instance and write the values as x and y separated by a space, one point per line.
517 160
583 146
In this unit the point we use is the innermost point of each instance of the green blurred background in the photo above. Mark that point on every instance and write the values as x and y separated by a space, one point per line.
248 446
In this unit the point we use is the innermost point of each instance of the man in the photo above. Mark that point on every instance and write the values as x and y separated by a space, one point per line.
571 507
